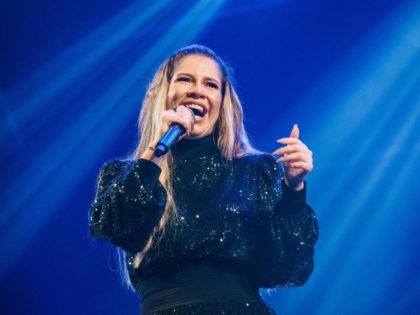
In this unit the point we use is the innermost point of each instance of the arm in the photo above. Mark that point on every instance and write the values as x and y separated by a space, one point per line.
128 204
130 200
296 158
288 230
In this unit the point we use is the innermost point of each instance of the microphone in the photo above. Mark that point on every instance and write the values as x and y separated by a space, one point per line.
171 136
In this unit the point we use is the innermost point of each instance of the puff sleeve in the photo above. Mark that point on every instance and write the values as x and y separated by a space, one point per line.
288 229
128 204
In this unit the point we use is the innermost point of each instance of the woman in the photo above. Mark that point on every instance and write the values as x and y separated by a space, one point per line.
208 224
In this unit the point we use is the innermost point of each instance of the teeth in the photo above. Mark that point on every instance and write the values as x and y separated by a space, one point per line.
195 106
199 107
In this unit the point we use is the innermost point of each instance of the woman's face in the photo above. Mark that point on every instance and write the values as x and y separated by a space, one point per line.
197 83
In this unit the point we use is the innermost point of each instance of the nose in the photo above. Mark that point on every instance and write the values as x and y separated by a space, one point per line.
196 91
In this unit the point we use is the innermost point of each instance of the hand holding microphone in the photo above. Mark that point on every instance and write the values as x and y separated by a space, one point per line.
180 120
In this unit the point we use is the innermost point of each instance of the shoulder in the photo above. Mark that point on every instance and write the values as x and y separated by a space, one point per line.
122 168
117 165
260 159
264 163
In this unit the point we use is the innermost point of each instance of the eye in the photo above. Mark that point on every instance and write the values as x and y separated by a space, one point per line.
212 85
183 79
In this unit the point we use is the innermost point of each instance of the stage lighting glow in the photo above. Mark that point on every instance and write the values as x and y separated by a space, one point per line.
46 179
75 65
367 145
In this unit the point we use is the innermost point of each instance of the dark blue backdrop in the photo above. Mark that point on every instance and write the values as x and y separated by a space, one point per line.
73 74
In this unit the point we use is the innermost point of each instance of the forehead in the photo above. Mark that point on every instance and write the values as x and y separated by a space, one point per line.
199 65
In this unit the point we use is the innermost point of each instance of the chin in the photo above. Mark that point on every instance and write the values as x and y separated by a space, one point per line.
198 135
195 136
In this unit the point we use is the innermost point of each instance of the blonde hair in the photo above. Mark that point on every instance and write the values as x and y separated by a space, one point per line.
232 139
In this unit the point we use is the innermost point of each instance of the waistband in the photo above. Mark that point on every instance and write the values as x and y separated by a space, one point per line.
205 284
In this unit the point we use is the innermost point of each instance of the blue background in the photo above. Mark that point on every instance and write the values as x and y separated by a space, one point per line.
73 74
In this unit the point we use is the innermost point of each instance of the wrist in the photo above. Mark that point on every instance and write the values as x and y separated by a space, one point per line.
149 154
294 186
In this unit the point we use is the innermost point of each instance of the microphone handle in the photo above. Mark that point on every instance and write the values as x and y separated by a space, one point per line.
168 139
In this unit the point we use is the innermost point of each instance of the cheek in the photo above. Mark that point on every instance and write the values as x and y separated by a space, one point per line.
216 113
171 93
218 107
174 92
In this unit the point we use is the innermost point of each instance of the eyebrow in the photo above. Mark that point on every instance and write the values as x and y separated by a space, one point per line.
206 78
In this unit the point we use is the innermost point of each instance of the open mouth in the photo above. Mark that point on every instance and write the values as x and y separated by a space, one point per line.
198 110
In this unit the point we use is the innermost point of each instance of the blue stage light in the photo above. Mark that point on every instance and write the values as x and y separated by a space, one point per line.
46 179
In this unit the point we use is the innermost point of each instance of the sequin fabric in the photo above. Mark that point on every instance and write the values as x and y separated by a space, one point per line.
237 215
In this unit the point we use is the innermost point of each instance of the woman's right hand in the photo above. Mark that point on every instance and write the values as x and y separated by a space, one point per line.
177 115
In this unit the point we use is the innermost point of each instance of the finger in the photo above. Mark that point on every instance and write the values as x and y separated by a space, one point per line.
184 119
295 131
188 110
289 141
296 157
305 166
292 148
179 110
188 123
188 114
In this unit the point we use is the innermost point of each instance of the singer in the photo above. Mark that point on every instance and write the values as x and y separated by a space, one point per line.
207 224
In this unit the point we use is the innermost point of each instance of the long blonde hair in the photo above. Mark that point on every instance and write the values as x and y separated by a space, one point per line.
232 139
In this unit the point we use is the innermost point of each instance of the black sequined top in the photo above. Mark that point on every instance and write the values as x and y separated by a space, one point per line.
235 216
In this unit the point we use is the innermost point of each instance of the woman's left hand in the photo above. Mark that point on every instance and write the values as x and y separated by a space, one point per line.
296 158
